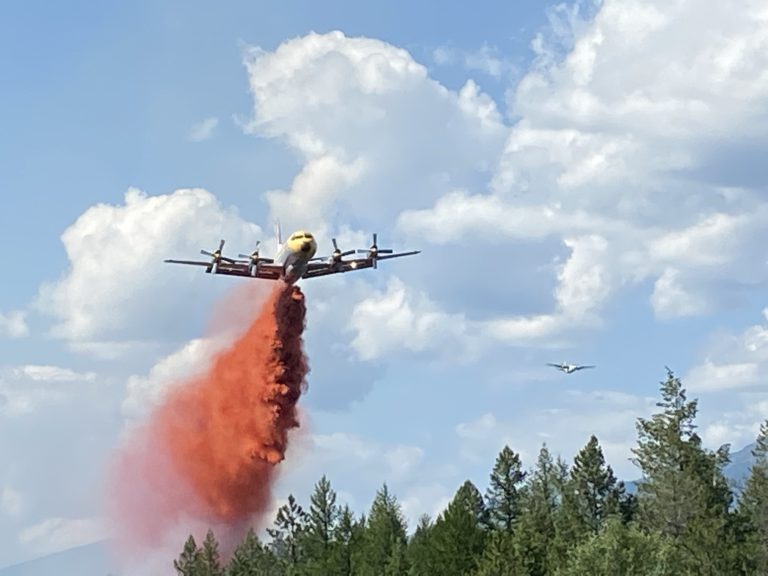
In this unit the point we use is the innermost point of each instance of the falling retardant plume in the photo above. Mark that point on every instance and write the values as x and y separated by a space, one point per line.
207 455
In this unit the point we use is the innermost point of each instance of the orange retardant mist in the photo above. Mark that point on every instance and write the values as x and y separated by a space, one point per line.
226 430
207 456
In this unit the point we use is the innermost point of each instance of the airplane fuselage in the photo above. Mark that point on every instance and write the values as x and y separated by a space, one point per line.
294 255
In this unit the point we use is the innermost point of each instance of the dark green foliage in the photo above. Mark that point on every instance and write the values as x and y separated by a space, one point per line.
596 491
503 496
210 559
383 543
349 537
535 532
622 549
289 527
754 502
684 494
319 537
188 563
420 553
252 557
459 533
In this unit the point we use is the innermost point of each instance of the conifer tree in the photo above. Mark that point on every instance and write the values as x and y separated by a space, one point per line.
383 538
503 495
754 501
348 535
419 553
320 532
290 524
188 563
458 535
500 556
596 490
624 550
536 529
252 557
210 559
683 493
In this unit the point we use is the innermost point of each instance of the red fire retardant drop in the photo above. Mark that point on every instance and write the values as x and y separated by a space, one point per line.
209 452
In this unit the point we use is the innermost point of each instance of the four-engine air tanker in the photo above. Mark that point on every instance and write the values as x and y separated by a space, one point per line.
294 260
568 368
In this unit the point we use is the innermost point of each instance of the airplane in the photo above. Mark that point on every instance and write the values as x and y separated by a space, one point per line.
568 368
295 259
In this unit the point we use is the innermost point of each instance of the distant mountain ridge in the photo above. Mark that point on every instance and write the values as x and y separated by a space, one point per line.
89 560
737 470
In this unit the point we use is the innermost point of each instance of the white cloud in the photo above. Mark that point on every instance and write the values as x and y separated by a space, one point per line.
11 502
399 319
118 289
203 130
377 124
145 392
47 373
14 324
24 389
57 534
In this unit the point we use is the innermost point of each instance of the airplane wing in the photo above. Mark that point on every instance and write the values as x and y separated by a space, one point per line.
583 367
554 365
388 256
315 269
193 262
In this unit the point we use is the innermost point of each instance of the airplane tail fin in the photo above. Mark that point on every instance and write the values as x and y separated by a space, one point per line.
278 235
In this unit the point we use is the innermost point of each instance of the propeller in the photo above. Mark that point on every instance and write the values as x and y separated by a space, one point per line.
252 258
374 251
337 253
216 254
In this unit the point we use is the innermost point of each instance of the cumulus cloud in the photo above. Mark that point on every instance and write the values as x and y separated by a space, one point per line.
366 114
732 361
625 135
117 289
400 319
145 392
203 130
14 324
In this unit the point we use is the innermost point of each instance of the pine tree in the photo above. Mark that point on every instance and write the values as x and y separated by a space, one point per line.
683 493
348 535
754 501
252 557
535 531
188 563
500 556
419 553
321 527
503 495
458 535
598 494
290 524
384 537
624 550
210 559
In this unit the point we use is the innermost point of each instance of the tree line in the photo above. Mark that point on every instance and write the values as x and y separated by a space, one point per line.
556 519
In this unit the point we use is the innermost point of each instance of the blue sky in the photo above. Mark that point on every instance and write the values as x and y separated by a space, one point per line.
583 187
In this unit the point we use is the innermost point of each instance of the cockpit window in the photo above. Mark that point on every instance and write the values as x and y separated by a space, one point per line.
308 236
